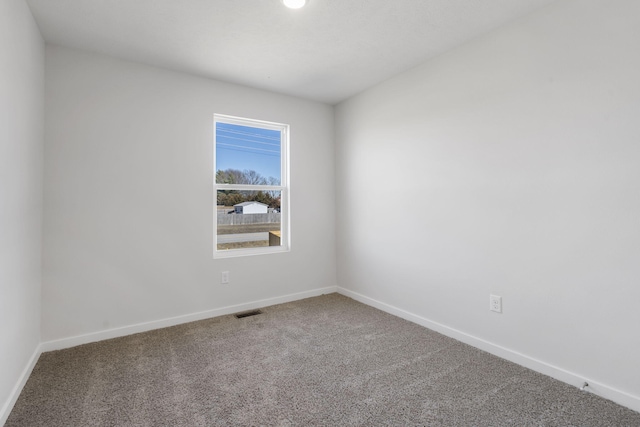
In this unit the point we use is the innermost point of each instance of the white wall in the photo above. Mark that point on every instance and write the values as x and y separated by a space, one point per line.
129 204
21 147
519 156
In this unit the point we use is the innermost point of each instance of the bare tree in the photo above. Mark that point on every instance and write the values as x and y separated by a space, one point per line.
246 177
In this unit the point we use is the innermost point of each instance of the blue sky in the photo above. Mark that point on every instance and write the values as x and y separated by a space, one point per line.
244 147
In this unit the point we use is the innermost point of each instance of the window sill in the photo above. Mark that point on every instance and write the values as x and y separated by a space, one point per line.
234 253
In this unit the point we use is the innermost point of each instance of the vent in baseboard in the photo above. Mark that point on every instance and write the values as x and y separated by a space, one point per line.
248 314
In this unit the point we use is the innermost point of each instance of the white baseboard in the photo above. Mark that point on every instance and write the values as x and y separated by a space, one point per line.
607 392
178 320
571 378
17 389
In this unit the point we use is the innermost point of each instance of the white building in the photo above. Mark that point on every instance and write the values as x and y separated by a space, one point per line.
250 208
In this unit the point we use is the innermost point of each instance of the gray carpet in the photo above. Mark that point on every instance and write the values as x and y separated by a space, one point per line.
321 361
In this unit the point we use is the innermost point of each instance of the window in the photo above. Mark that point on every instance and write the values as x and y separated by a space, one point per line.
250 186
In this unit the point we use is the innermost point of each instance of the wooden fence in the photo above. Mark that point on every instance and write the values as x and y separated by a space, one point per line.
241 219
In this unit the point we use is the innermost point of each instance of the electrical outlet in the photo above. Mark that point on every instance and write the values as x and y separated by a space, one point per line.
224 279
495 303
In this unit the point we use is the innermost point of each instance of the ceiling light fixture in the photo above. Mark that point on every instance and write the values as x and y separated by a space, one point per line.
294 4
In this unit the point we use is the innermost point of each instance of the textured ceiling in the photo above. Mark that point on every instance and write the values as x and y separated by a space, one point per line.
327 51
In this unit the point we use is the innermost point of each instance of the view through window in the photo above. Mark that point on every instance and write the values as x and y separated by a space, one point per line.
250 186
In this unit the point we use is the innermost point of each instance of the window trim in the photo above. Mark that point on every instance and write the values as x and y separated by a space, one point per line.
284 188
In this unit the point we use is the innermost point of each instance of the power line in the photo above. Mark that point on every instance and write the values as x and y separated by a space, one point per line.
249 149
249 141
257 135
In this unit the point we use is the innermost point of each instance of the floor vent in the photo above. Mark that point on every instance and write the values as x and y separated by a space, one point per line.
248 314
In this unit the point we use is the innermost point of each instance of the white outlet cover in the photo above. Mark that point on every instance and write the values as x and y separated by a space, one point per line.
495 303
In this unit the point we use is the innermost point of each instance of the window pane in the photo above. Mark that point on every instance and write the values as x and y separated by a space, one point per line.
248 219
247 155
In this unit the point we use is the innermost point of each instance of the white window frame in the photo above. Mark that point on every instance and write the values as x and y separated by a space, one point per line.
285 213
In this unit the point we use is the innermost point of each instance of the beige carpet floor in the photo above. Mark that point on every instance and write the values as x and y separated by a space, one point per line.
327 361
